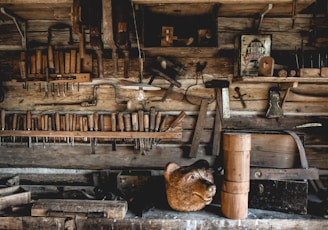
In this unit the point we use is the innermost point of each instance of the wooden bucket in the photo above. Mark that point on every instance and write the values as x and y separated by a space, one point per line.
237 148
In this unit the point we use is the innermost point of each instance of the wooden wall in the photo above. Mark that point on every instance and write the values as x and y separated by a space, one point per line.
299 109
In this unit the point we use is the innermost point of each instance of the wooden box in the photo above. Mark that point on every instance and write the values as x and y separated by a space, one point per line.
279 195
84 208
12 196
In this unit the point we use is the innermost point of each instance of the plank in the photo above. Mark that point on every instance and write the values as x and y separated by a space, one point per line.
46 207
198 221
13 196
199 128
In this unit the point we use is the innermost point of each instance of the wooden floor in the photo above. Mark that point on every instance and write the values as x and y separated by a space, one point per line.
209 218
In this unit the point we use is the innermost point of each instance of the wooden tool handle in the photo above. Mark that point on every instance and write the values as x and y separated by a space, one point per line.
57 121
127 122
152 117
141 120
42 123
71 121
134 118
38 60
85 124
49 123
146 122
81 123
178 119
113 118
102 125
67 68
90 122
120 121
14 121
3 120
28 120
158 120
162 127
96 121
74 122
51 64
67 122
46 122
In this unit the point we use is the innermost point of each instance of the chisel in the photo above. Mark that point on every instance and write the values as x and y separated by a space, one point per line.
3 123
43 129
134 120
113 119
85 127
96 123
73 127
91 128
120 123
142 141
152 117
45 120
127 123
67 126
29 126
146 125
14 125
57 123
49 124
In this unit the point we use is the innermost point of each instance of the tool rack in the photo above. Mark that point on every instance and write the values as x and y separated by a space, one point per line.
71 127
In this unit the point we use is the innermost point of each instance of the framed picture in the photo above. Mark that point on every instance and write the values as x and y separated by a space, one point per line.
251 49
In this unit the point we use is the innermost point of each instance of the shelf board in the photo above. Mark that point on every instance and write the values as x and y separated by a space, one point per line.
281 79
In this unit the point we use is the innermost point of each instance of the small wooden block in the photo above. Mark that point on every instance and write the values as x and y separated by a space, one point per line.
113 209
12 196
324 72
309 72
266 66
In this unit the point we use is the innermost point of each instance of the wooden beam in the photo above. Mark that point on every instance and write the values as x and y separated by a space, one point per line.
220 1
69 2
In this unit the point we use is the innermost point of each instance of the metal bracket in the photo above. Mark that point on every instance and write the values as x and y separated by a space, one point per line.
21 26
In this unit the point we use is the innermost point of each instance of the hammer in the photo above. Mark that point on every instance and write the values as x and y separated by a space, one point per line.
218 85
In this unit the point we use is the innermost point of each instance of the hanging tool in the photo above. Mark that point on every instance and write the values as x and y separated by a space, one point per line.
91 128
274 110
57 123
29 126
199 128
120 123
14 122
240 96
152 121
113 119
219 85
135 128
3 123
146 126
143 143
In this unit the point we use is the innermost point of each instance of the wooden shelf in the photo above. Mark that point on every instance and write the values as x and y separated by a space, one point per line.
281 79
94 134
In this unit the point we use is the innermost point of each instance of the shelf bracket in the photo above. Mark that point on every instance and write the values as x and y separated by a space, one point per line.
20 25
264 12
